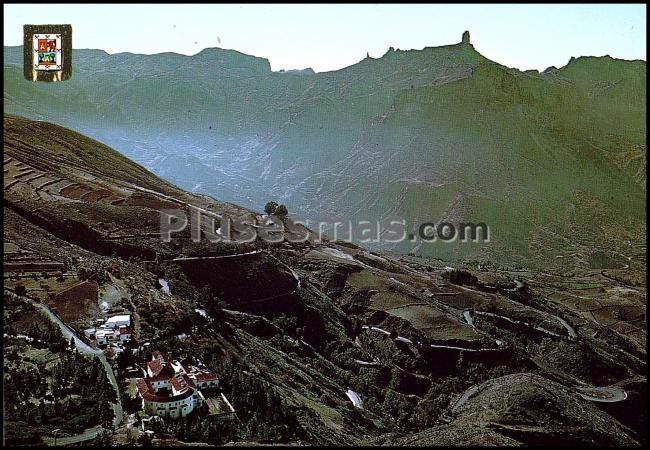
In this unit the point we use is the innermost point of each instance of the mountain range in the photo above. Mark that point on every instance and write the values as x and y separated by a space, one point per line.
553 162
314 343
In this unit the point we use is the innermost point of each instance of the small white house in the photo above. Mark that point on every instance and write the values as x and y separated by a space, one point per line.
106 335
117 321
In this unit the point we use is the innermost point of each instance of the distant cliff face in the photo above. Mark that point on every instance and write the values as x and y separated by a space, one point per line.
425 135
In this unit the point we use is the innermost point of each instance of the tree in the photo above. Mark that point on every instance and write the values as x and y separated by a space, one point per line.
125 358
20 289
132 343
215 308
72 343
281 211
270 208
93 271
20 433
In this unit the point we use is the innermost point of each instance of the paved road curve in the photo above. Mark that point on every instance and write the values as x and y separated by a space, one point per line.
608 394
463 398
84 348
87 435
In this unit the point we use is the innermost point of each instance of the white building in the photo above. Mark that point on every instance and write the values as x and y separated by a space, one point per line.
115 329
117 321
171 389
105 336
90 333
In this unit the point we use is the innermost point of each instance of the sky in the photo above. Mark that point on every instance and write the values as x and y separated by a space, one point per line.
329 37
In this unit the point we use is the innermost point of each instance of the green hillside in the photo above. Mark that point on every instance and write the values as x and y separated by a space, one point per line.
554 162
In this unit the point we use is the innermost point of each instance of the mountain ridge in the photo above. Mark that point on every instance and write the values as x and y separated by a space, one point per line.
15 56
371 141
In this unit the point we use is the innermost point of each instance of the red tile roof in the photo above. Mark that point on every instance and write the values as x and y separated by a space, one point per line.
160 369
165 356
176 384
184 383
147 393
206 376
189 381
155 367
162 377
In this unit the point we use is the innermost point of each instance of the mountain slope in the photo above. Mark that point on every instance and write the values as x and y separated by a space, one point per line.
291 329
423 135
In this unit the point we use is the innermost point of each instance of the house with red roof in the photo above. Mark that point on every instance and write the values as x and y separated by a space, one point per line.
172 389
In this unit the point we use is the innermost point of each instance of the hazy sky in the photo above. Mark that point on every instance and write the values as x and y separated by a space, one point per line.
328 37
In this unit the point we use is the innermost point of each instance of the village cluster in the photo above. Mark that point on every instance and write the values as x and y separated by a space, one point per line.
169 388
114 330
163 387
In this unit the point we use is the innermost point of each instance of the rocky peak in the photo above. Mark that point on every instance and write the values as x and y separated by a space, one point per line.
465 39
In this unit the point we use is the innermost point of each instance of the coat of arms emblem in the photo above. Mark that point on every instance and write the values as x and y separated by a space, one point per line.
48 54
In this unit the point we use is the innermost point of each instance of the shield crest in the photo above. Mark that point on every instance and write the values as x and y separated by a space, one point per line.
48 53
